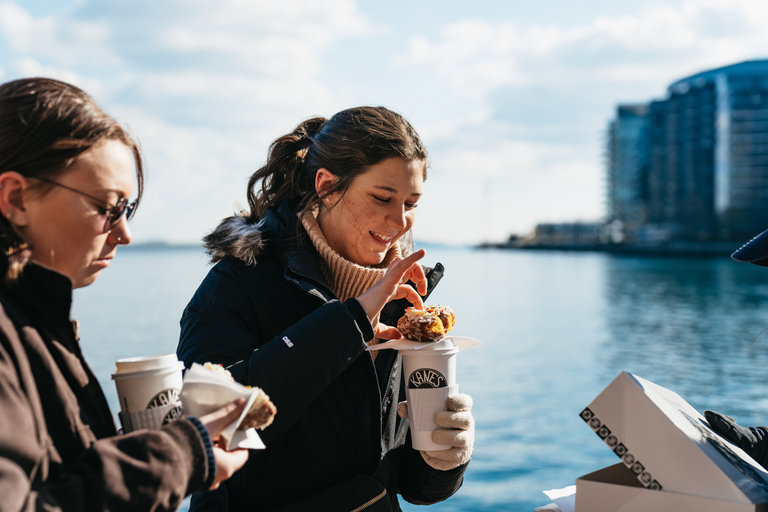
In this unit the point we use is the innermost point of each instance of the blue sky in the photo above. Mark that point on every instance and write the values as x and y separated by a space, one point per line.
512 98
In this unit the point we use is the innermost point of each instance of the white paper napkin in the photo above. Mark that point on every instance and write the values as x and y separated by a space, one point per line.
405 344
205 391
565 498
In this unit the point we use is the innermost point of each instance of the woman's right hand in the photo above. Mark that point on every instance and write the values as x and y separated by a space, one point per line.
226 462
753 440
391 287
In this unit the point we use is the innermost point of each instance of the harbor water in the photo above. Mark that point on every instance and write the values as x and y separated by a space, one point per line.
557 327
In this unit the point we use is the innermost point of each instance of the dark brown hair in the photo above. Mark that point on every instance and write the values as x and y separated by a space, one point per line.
45 125
347 144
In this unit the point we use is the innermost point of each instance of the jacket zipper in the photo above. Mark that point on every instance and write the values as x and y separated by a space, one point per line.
384 394
307 278
298 276
371 501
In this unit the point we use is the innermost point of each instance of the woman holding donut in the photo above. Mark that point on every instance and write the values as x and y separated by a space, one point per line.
67 172
303 282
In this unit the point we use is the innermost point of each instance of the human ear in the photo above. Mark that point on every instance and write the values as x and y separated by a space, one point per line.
12 188
324 181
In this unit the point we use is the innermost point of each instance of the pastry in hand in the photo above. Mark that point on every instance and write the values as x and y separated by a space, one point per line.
262 411
446 316
429 324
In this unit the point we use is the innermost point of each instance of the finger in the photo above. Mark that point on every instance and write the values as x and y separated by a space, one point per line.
729 429
459 402
419 279
385 332
402 410
447 455
450 419
454 438
217 420
402 267
718 421
415 256
407 292
446 460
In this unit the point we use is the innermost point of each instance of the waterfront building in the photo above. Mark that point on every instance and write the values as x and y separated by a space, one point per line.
693 166
569 234
627 164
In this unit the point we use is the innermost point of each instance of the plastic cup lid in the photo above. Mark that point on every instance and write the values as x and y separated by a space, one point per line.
144 363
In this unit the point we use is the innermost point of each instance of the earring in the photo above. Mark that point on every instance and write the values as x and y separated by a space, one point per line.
327 200
119 239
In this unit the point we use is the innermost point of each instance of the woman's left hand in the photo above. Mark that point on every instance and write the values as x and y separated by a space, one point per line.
392 286
227 462
456 428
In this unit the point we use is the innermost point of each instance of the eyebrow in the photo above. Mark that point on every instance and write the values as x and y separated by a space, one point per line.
394 191
117 192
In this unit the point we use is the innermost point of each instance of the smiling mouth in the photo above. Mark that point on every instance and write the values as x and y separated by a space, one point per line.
381 238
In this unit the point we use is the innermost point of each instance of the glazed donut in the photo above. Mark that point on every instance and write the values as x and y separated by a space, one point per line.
430 324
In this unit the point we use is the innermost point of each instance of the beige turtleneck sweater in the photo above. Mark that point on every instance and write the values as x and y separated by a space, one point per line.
346 279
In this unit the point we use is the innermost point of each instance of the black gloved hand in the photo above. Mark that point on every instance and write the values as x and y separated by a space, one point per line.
753 440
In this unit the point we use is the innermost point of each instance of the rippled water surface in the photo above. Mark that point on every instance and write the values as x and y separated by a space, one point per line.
557 328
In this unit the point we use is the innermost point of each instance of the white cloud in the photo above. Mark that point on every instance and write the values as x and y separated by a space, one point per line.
205 86
231 50
28 67
512 113
67 42
527 105
503 186
480 57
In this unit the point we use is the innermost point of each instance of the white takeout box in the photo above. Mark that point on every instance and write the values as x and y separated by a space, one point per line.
670 458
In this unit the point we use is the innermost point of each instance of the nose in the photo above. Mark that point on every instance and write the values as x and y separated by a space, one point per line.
121 233
396 217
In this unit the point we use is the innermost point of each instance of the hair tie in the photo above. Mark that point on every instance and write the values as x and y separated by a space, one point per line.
304 140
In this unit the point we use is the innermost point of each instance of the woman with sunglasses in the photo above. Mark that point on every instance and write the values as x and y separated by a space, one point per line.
297 293
66 172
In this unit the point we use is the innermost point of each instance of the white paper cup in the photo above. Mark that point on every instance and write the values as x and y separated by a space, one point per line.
430 378
149 382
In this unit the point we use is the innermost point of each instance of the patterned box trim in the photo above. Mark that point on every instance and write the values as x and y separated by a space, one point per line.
620 449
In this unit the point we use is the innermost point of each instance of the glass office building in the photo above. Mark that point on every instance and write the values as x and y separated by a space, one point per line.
699 158
627 166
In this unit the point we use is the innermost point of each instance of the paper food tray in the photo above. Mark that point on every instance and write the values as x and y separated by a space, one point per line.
404 344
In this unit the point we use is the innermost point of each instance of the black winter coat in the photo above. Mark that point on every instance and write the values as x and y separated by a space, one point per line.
266 312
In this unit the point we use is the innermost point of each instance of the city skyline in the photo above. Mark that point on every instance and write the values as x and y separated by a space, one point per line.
692 166
512 100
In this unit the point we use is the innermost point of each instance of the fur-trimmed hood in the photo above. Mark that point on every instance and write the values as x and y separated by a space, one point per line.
235 237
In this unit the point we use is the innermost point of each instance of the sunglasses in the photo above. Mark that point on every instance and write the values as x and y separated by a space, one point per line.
113 212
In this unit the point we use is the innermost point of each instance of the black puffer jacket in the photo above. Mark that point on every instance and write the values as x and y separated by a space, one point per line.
267 313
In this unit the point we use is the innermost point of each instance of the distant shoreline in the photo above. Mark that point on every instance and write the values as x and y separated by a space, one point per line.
162 245
678 248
